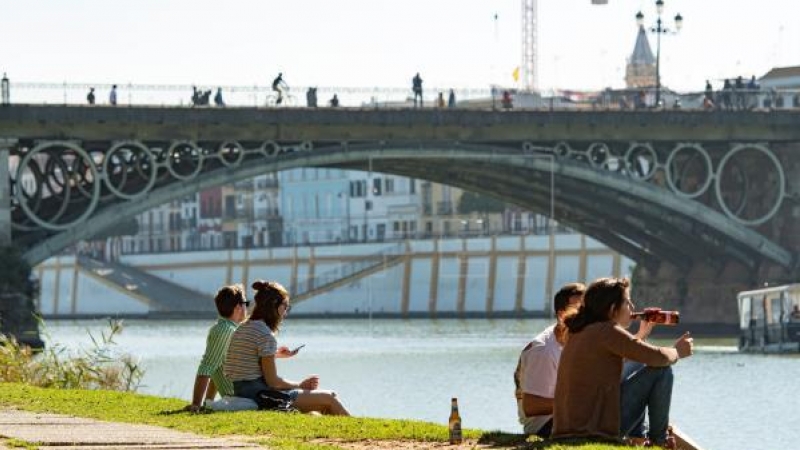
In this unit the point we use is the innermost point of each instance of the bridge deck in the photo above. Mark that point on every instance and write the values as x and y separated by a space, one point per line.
151 123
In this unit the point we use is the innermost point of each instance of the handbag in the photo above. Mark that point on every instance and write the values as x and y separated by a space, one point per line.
275 400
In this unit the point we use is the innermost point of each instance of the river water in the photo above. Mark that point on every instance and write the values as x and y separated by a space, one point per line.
411 368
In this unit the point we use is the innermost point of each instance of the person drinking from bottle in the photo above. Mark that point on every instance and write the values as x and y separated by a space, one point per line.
250 361
590 400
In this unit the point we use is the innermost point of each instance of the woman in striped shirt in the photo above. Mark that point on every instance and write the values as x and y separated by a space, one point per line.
250 362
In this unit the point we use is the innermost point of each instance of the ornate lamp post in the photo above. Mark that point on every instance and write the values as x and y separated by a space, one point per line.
6 90
660 29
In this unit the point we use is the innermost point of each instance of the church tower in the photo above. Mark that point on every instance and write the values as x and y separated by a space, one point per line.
641 69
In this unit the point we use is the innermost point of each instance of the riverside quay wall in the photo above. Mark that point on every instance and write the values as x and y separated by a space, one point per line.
504 276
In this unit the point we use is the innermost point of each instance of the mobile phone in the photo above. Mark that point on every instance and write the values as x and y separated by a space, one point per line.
297 349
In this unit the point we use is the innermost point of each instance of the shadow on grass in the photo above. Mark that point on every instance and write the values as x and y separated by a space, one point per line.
172 412
498 439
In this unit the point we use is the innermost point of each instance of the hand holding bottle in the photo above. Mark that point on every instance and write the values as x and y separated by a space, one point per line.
685 345
310 383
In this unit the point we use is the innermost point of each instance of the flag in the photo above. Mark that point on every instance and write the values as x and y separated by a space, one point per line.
516 74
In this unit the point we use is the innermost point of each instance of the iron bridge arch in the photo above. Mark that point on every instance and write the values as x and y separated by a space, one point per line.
67 191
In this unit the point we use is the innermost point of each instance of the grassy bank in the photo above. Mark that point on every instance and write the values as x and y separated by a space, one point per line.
277 430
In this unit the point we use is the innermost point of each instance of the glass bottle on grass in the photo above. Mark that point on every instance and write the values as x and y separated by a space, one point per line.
454 424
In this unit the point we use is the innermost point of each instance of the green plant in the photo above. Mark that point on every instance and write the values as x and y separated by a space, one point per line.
96 367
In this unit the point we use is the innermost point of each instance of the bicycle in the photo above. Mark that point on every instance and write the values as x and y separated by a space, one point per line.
288 99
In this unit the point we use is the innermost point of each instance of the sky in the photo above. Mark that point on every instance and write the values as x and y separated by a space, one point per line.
451 43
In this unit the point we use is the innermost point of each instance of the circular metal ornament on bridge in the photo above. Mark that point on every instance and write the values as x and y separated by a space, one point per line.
562 150
597 153
65 181
128 162
306 146
231 153
781 184
527 147
639 153
672 179
270 149
184 160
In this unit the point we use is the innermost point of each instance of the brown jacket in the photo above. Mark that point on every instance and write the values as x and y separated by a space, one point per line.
588 387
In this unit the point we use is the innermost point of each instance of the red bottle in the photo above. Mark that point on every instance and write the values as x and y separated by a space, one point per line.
659 316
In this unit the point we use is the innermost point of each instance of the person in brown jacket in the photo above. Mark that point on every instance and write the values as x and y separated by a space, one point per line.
590 401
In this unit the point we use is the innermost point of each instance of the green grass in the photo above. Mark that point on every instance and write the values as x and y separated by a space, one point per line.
278 430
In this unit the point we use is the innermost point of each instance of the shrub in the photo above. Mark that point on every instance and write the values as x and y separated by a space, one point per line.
96 367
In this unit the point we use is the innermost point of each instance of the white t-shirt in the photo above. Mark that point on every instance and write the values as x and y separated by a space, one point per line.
536 374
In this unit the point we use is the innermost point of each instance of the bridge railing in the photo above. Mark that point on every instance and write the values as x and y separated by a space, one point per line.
233 96
129 94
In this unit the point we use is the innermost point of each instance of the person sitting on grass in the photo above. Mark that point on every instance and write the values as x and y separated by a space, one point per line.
590 401
232 308
250 361
535 377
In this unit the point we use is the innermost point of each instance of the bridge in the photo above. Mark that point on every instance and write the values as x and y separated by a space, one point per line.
705 202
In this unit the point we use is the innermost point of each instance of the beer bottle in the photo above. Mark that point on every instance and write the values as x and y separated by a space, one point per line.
659 316
454 424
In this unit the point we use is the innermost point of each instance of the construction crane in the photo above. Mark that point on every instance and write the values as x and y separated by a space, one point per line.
530 51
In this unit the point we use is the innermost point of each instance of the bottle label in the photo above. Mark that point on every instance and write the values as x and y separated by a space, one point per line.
455 433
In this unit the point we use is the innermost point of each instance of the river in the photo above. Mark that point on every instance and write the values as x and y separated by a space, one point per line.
411 368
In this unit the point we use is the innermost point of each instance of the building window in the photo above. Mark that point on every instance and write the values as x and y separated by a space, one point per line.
376 186
389 185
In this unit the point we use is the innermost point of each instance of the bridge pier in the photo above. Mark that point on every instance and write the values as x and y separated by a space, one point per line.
703 294
17 290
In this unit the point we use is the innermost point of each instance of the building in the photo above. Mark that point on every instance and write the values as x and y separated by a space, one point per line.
641 68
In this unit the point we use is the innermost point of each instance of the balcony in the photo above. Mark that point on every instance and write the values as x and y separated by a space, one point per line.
444 208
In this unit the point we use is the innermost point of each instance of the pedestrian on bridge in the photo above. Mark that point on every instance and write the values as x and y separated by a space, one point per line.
440 100
311 97
417 88
112 97
451 99
90 96
334 101
218 98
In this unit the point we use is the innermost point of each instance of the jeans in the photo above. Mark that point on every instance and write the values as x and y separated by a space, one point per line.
251 388
645 388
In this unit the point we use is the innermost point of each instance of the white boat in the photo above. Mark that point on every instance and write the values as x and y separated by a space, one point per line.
769 319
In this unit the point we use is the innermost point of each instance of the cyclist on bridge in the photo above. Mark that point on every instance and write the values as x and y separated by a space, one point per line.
278 85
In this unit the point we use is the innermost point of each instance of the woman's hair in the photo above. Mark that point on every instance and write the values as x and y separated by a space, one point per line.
598 300
228 298
269 296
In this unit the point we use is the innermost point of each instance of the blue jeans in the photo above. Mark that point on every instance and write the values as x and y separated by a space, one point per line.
251 388
645 388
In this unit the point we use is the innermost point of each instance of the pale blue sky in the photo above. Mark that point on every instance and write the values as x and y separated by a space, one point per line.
382 43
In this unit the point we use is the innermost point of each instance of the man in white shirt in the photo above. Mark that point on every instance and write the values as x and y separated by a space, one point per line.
535 377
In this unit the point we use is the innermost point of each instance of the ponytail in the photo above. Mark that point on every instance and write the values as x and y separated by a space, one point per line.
269 296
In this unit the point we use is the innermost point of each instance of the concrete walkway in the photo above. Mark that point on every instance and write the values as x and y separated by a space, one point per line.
60 432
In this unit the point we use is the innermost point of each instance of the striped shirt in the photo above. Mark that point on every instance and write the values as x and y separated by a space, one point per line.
252 340
219 336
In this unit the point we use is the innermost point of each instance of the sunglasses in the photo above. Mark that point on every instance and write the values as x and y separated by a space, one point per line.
246 303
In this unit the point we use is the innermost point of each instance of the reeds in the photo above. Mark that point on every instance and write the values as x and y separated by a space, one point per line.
99 366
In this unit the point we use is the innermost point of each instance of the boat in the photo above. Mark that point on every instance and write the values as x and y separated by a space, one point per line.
769 319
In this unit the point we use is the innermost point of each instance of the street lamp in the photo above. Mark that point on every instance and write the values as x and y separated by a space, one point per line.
659 29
